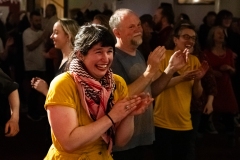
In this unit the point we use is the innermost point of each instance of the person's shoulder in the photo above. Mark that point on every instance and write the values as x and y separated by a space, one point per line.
119 81
118 51
28 30
169 52
63 78
121 87
118 78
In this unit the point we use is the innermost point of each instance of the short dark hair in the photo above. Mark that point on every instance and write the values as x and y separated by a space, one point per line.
90 35
210 13
147 18
183 24
34 13
53 7
167 11
223 14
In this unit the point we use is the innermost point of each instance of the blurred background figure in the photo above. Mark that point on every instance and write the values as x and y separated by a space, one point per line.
208 22
147 26
182 17
102 19
221 59
163 19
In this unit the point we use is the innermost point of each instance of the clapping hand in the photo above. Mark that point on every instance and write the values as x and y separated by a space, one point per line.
203 69
155 58
133 105
146 100
196 74
179 59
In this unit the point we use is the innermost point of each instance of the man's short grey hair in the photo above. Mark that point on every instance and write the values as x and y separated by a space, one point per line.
115 19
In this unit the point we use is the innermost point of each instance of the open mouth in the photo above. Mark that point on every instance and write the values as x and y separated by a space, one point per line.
102 66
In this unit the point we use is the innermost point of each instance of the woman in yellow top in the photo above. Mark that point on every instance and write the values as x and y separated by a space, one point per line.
88 108
172 118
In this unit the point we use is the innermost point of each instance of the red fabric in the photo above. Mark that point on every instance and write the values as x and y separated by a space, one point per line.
225 100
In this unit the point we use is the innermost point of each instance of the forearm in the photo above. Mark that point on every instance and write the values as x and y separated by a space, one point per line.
35 44
197 88
140 84
84 135
3 55
210 99
44 92
124 131
14 103
161 83
174 81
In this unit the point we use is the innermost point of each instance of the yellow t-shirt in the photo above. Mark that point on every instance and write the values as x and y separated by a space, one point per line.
63 91
172 106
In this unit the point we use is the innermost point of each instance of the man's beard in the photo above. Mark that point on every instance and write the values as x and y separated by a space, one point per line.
136 41
157 26
37 27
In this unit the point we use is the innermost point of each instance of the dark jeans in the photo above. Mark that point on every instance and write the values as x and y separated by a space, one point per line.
35 99
137 153
171 144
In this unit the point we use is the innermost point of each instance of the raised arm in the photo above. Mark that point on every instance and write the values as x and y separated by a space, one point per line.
36 43
140 84
176 62
4 54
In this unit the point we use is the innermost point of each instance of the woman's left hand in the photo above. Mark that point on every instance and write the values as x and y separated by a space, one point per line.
146 100
203 69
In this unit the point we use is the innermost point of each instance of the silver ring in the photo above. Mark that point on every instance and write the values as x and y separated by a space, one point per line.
127 107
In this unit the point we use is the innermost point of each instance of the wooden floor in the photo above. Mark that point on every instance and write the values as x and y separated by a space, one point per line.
30 143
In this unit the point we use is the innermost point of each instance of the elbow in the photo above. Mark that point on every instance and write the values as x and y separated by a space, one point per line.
121 142
198 94
68 148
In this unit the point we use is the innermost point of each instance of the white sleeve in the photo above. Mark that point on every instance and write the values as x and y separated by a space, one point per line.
28 38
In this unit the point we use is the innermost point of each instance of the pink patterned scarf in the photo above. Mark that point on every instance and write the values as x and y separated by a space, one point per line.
96 96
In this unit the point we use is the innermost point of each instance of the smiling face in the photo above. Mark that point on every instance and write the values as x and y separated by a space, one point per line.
218 35
186 39
59 37
98 60
130 30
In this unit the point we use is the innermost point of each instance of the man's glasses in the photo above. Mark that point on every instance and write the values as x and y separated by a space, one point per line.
187 37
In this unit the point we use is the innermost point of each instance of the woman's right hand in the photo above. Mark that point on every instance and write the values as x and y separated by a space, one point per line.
134 105
40 85
190 75
124 107
154 59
